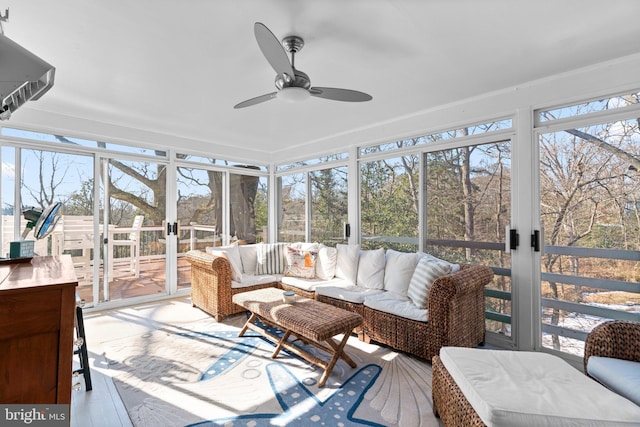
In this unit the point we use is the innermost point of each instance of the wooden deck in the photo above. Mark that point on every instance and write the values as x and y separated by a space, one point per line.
152 281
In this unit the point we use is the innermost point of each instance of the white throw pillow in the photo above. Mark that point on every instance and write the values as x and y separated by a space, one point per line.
426 272
249 257
371 269
300 263
454 267
232 254
326 262
270 258
398 271
347 262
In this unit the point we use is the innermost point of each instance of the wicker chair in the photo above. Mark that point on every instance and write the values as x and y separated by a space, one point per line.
619 339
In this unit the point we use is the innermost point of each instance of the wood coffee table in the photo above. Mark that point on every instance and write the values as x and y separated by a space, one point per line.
311 321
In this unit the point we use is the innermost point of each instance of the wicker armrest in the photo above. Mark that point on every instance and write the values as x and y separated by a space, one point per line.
619 339
469 280
210 283
456 306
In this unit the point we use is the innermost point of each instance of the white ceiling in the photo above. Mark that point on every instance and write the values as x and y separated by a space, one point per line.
177 68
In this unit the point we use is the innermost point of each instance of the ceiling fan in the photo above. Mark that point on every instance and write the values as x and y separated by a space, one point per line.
292 84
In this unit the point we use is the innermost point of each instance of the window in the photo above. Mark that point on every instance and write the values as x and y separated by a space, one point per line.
328 205
468 208
589 193
389 203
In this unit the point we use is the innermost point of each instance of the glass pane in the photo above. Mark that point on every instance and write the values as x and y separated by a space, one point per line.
136 250
328 205
589 107
468 209
589 205
215 161
314 161
49 177
39 136
248 208
292 218
200 214
478 129
389 203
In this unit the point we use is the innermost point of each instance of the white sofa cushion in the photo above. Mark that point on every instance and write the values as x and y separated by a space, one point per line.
398 305
518 388
398 271
370 272
252 279
350 293
232 254
426 272
347 262
312 284
326 262
249 258
270 258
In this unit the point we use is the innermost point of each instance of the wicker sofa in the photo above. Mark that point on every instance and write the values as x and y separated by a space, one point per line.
455 305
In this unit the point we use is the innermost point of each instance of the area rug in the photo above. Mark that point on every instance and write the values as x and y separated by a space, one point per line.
203 374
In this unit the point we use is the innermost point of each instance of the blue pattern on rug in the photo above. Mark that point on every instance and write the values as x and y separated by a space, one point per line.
299 405
303 408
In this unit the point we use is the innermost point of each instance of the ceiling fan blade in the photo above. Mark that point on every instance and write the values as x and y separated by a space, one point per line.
256 100
340 94
272 50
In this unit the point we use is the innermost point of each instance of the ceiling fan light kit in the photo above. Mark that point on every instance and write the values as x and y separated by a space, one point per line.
293 85
293 94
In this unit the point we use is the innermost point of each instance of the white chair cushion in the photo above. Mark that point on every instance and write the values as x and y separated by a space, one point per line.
370 272
347 262
518 388
326 262
621 376
391 303
249 258
398 271
350 293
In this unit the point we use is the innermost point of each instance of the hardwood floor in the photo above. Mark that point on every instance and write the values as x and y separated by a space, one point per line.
102 406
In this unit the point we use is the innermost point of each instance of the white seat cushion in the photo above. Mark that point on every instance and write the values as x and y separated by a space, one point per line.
351 293
621 376
312 284
391 303
252 279
518 388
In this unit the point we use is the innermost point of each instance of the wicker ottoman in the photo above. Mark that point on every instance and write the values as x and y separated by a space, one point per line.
475 387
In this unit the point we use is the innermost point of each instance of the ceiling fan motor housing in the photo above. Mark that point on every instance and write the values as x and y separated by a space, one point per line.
301 80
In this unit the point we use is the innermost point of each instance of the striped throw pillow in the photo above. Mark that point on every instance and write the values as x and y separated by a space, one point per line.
426 272
271 258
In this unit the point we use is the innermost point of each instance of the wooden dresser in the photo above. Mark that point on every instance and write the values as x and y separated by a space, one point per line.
37 306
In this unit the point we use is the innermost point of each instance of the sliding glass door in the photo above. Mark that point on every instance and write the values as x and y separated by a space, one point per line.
134 250
590 225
